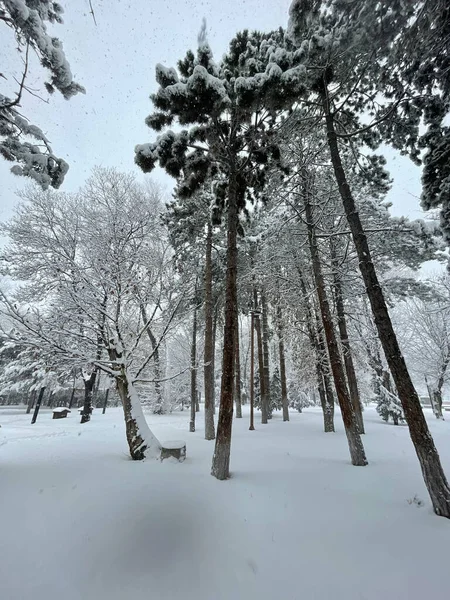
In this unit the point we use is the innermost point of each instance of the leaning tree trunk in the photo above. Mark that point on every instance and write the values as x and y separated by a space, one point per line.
193 370
325 367
426 451
89 383
284 398
266 358
221 458
208 370
355 444
345 341
158 409
38 406
316 340
141 441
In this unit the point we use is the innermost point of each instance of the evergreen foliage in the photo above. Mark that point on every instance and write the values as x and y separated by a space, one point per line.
27 19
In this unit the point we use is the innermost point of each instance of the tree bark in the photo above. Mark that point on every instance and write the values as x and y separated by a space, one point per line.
214 338
284 398
221 458
38 405
328 416
141 441
262 380
252 372
89 384
158 409
237 386
208 370
266 358
345 341
72 395
316 340
105 401
355 444
427 454
193 371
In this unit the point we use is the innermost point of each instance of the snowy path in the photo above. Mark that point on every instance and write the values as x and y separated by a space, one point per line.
80 521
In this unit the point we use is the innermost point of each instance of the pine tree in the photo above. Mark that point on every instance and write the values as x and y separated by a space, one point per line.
229 141
275 390
388 404
336 61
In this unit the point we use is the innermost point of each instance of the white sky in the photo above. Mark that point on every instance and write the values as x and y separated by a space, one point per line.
115 61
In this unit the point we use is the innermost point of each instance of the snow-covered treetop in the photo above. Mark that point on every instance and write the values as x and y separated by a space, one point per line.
35 159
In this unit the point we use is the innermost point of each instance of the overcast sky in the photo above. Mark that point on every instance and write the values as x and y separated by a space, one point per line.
115 61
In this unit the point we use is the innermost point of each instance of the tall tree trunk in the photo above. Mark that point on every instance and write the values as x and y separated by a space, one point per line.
105 401
213 375
284 398
345 341
322 361
355 444
72 395
237 387
252 371
266 357
325 367
221 458
208 370
427 454
193 370
89 383
38 405
262 379
158 409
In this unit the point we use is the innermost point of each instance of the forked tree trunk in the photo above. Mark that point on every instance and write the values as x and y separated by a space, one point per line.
284 398
221 458
345 341
193 371
89 383
355 444
208 370
237 385
266 357
430 463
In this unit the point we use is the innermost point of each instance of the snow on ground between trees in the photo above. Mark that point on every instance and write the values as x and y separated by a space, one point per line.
79 519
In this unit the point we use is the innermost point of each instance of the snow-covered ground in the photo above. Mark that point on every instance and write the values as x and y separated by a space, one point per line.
80 521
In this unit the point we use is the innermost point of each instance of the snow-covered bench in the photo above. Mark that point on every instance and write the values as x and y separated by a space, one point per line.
173 449
61 412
